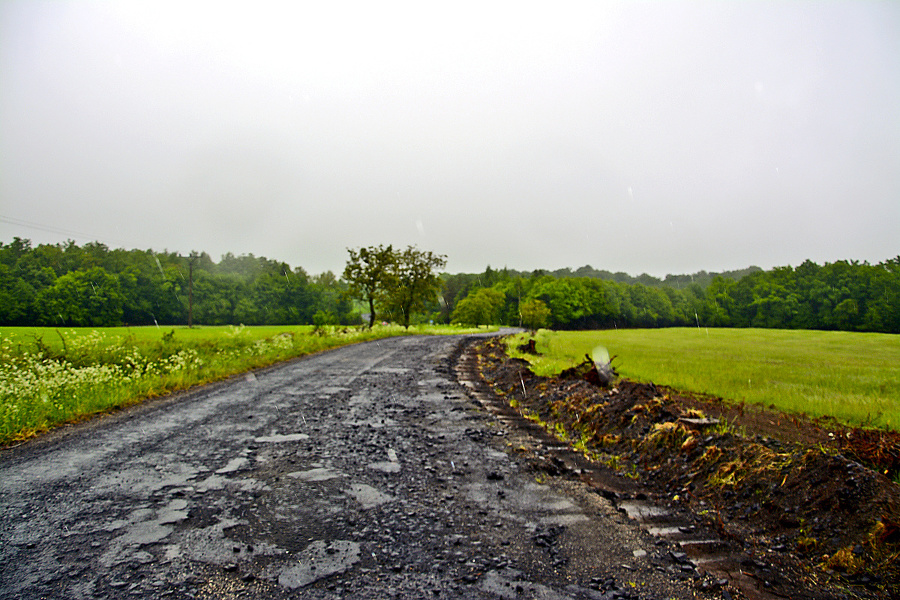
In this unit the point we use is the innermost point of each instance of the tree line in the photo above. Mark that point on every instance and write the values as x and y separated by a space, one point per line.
93 285
844 295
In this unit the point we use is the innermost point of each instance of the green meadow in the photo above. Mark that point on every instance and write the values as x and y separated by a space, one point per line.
853 377
52 376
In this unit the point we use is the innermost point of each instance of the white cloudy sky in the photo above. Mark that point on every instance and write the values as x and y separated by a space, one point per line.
660 137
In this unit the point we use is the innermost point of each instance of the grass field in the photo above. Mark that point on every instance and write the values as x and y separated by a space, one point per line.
854 377
52 376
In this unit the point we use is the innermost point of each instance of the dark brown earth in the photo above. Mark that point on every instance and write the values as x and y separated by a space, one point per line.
798 508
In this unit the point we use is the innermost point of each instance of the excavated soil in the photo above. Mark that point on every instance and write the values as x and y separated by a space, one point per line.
807 508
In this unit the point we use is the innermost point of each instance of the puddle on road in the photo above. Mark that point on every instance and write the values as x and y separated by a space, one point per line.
174 512
317 474
664 531
320 560
218 482
278 438
368 496
642 511
146 479
391 465
212 546
385 467
142 529
511 584
235 464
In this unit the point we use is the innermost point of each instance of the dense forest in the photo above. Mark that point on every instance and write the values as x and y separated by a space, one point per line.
842 295
93 285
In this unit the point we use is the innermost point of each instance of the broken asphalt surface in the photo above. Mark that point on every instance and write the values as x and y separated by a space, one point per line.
362 472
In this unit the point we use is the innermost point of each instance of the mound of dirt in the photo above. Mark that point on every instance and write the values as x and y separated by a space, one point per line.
815 494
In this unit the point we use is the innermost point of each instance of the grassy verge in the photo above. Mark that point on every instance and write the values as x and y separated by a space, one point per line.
853 377
53 376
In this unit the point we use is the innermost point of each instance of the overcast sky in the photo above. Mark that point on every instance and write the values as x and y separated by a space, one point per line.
659 137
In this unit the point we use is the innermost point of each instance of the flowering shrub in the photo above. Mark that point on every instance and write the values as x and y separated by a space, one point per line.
96 371
37 391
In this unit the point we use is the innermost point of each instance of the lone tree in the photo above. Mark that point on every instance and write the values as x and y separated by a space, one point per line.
369 273
414 281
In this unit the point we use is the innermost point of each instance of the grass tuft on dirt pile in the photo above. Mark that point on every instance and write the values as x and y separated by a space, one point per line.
760 477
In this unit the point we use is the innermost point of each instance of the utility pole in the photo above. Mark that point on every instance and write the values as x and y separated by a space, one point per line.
191 260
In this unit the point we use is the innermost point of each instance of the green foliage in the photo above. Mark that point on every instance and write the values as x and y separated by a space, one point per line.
81 298
92 285
322 318
68 285
535 314
400 282
847 296
479 308
414 282
369 273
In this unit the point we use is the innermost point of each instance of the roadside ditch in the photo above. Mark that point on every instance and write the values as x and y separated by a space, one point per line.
773 504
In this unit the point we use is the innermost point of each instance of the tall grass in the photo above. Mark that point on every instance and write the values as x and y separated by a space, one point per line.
50 376
854 377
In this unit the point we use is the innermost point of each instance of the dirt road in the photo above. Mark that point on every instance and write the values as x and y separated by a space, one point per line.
364 472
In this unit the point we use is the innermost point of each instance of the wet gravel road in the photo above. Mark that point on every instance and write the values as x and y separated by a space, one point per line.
363 472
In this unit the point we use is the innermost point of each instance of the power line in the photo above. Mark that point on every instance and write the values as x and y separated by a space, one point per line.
56 230
68 232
